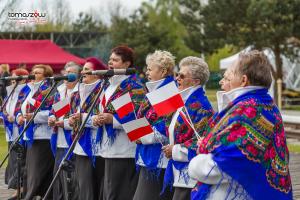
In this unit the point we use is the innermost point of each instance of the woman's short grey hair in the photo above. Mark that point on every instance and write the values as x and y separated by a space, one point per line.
197 66
73 64
162 59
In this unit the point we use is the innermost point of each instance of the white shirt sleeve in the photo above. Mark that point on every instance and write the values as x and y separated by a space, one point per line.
67 125
41 117
153 138
204 169
180 153
116 124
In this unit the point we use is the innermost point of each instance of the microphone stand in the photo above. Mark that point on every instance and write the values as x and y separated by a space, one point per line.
6 99
16 141
78 135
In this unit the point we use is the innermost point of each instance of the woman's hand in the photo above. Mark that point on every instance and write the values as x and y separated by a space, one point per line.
10 118
138 141
51 121
97 121
71 121
105 118
20 120
168 150
59 124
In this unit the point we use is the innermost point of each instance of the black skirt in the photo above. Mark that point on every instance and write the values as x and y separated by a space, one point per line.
150 186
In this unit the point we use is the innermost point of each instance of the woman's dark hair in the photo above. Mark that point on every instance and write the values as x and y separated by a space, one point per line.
125 52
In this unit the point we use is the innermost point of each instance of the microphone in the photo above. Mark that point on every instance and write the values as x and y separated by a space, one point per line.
18 78
70 78
112 72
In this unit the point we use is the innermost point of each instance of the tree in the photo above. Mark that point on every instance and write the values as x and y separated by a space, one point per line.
86 22
213 60
261 23
153 26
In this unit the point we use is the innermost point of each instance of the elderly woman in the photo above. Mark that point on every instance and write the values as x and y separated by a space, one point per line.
244 154
61 137
16 95
187 123
39 159
89 165
120 176
149 156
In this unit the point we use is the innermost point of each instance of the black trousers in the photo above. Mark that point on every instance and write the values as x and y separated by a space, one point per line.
120 179
39 168
182 193
11 176
89 177
65 186
149 186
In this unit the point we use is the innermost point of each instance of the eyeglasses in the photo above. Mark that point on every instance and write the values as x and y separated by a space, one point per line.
33 73
182 76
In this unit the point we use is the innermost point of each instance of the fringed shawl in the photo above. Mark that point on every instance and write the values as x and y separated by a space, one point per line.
248 143
200 110
38 96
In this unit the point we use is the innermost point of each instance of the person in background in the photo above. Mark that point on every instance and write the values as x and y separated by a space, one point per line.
22 66
61 137
150 159
14 100
4 72
186 124
244 153
39 158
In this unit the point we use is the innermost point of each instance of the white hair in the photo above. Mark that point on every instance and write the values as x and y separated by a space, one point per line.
197 66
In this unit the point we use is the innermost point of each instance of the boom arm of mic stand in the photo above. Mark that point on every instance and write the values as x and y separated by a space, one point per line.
79 134
29 122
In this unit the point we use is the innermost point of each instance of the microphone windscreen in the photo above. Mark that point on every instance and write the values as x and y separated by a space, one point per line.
72 77
31 77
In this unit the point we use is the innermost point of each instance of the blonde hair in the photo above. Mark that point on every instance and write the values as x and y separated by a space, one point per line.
162 59
197 66
48 71
5 67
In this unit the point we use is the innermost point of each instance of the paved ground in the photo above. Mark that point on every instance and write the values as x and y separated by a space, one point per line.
4 192
294 169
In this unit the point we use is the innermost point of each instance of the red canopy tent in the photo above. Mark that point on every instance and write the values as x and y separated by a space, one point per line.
31 52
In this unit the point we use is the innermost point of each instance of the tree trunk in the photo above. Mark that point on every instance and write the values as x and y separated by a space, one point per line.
278 74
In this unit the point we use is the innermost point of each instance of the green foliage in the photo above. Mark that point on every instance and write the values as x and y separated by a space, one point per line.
261 23
3 144
213 60
294 148
242 23
152 27
85 22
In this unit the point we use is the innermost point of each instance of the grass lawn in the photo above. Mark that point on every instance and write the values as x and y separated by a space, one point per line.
3 144
211 94
294 148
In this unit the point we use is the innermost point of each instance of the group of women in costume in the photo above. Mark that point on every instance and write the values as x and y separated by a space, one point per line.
237 152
